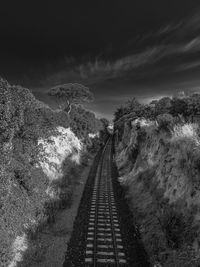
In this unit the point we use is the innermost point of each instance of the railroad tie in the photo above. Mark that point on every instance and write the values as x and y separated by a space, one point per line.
104 244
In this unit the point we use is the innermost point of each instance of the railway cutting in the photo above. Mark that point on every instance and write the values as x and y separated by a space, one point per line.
104 234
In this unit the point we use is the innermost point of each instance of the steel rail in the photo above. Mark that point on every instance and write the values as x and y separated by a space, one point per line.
103 221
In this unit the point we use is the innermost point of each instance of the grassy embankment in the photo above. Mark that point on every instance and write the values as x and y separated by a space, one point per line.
159 165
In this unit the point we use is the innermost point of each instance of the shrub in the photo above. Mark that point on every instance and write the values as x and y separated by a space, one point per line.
83 123
178 229
186 131
165 121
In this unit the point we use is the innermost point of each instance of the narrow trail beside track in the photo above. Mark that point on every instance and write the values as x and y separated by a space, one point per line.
103 233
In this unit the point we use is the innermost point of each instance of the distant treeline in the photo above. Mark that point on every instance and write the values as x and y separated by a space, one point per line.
184 107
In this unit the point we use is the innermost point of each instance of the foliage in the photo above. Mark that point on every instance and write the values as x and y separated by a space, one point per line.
163 106
178 106
103 134
119 113
104 122
177 228
71 93
165 121
22 184
162 179
132 106
186 131
185 106
83 122
25 189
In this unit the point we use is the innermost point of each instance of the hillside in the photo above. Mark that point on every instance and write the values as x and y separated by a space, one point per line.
158 158
42 152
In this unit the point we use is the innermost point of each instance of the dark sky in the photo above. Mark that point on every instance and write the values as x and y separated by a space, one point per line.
119 48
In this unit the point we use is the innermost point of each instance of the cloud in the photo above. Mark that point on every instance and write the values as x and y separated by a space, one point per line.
99 70
148 99
90 73
188 66
172 42
193 45
169 28
145 58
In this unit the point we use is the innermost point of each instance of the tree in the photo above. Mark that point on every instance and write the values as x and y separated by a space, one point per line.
104 122
70 94
119 112
163 106
149 111
83 122
179 106
133 105
193 105
104 131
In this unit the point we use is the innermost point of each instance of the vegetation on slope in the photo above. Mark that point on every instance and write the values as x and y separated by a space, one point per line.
40 155
158 156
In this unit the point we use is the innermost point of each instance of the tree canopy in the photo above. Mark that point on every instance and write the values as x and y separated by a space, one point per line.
71 94
187 106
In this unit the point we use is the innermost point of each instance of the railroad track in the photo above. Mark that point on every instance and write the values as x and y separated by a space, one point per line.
104 245
104 234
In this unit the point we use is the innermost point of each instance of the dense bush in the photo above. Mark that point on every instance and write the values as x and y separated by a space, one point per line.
185 106
83 122
165 121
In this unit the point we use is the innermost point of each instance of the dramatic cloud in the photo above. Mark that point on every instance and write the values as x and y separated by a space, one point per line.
119 52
